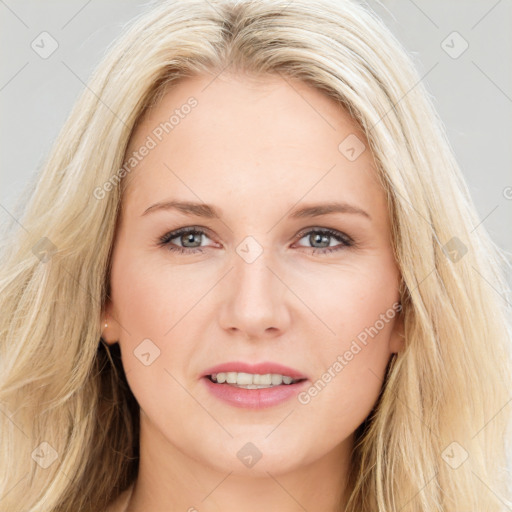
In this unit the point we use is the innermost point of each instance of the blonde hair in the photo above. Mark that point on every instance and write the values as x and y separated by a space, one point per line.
63 395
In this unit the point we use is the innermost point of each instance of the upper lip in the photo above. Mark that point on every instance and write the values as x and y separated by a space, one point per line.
259 368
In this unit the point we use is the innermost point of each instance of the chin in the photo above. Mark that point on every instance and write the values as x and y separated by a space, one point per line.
258 455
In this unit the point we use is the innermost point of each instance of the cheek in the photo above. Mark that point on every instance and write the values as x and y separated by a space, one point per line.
154 303
150 295
351 375
345 402
150 299
351 299
353 356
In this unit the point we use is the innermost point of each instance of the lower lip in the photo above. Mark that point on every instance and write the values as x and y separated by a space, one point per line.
254 398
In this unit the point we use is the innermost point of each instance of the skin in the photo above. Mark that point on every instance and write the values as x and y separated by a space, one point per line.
255 149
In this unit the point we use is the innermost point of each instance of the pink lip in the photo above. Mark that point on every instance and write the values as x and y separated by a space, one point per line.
254 398
260 368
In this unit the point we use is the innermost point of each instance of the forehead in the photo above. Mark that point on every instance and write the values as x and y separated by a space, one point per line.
249 136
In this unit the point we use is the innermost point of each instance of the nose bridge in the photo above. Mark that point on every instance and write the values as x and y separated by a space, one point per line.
255 296
252 275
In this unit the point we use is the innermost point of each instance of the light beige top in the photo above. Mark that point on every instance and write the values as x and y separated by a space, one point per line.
120 504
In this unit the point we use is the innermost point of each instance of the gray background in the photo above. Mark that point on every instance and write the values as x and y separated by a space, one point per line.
472 93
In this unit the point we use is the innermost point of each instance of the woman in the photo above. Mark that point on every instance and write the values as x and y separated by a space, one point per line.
240 366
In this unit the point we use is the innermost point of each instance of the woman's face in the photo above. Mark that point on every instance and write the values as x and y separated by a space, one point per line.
270 275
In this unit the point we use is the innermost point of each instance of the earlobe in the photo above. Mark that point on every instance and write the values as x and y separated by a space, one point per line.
109 331
104 328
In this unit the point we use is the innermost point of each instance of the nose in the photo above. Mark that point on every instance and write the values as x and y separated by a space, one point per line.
255 304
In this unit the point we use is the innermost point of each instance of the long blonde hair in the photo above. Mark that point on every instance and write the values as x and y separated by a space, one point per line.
436 438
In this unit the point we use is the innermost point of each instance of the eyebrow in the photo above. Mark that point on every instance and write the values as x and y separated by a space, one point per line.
210 212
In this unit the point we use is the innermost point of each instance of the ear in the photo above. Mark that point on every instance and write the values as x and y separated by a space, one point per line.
110 332
397 338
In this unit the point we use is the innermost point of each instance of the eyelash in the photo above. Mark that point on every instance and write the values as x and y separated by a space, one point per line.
164 241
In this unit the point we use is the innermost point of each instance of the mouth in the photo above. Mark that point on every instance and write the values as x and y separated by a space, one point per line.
245 380
253 376
253 386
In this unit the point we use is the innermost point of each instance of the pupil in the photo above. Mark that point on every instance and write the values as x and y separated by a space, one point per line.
318 238
189 237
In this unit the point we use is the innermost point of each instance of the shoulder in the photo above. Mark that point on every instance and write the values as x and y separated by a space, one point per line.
119 504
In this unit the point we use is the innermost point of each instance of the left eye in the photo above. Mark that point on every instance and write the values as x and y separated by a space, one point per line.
322 236
190 240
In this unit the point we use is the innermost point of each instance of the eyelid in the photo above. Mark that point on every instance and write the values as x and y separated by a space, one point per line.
330 231
344 240
175 233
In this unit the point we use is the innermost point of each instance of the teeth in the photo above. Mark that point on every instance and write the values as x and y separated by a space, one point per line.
262 380
250 380
231 377
276 379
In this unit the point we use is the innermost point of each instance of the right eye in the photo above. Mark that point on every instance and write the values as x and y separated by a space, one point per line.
186 235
